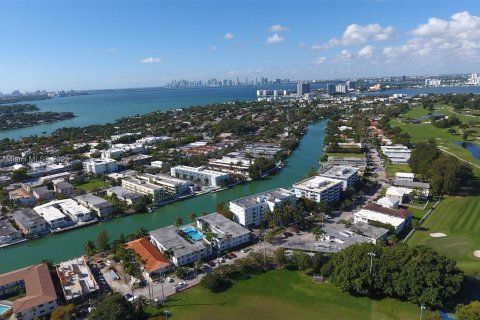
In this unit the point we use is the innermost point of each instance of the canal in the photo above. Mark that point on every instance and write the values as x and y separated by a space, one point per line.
70 244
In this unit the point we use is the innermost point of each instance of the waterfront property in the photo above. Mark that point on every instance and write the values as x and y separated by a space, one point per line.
399 219
319 189
63 188
143 187
209 178
225 233
76 279
21 197
152 260
360 163
30 222
42 193
54 217
174 187
184 251
348 175
250 211
100 166
40 298
127 196
101 206
397 153
8 234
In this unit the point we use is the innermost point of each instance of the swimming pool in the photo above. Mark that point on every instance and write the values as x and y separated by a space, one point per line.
192 233
3 309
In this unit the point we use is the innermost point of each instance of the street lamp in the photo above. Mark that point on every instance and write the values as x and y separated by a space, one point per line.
166 312
422 307
371 254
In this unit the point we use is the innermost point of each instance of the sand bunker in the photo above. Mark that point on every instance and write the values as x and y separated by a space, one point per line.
476 253
437 235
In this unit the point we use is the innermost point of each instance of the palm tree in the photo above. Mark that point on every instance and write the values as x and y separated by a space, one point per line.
178 221
142 232
140 303
192 217
168 254
89 247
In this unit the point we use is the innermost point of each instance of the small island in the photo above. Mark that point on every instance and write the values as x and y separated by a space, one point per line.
15 116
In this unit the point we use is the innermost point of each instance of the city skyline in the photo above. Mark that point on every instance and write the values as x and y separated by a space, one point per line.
54 46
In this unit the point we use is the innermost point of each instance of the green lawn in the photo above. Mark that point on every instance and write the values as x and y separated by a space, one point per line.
394 168
424 131
93 184
282 294
459 219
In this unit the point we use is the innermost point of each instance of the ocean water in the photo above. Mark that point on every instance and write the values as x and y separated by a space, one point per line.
100 108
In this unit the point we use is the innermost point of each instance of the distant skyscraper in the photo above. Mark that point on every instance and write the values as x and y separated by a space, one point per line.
350 85
330 88
303 88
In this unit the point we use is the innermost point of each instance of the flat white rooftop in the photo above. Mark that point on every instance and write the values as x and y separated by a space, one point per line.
201 170
317 184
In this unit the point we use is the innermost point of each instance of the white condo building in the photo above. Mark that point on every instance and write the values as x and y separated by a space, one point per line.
319 189
226 234
250 211
100 166
397 153
67 207
201 175
348 175
145 188
54 217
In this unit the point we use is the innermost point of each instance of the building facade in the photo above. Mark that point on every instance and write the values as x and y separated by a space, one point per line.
319 189
201 175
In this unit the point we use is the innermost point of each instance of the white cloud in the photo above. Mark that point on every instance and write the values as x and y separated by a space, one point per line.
366 52
151 60
345 55
277 28
275 39
320 60
228 36
356 34
457 39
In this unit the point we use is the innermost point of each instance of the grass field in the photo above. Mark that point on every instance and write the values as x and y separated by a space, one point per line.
459 219
394 168
424 131
93 184
282 294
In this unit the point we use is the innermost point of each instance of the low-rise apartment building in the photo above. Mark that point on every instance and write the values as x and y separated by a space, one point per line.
100 166
143 187
250 211
76 279
399 219
348 175
40 298
226 234
201 175
30 222
8 234
100 206
397 153
319 189
124 195
152 259
173 186
184 251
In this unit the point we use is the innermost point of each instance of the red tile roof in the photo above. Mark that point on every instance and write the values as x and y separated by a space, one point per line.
151 258
399 213
38 286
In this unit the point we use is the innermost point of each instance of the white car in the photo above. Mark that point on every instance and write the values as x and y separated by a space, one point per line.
170 280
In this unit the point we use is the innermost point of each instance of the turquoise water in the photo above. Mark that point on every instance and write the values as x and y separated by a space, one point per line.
3 309
66 245
192 233
106 107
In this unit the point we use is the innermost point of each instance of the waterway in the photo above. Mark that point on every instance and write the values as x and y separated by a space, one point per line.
101 108
70 244
472 147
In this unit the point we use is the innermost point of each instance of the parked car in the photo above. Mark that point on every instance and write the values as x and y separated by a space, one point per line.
170 279
246 250
211 263
232 255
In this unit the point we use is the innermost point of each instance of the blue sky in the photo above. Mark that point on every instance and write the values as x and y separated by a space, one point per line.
83 45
